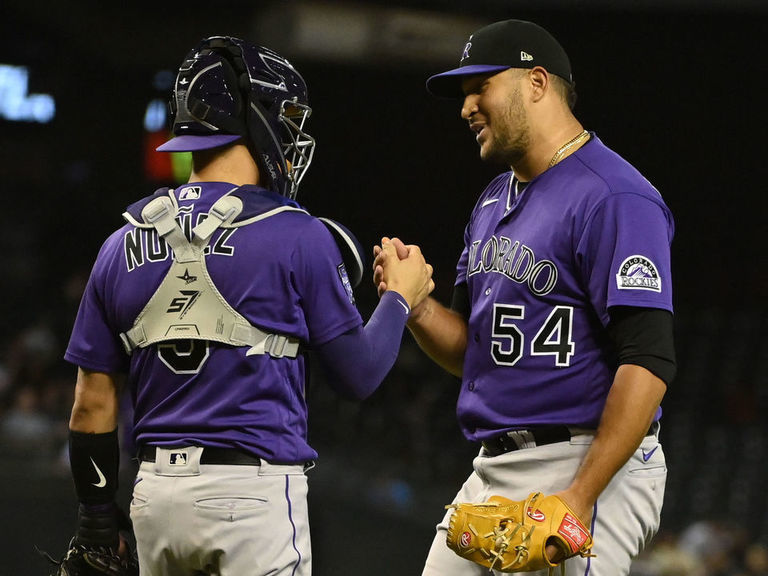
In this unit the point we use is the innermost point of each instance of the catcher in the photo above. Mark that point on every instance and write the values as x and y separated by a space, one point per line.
518 536
211 333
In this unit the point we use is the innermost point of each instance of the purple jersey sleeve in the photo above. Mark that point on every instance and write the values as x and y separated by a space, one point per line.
95 343
327 300
625 254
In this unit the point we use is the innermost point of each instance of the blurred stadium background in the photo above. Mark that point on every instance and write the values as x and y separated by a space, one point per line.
676 86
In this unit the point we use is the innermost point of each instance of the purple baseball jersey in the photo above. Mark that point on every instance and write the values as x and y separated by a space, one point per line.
542 269
283 273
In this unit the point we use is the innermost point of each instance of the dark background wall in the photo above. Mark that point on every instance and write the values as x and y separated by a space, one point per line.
675 87
675 90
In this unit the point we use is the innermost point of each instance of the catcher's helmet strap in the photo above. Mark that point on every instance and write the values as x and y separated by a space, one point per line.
272 165
203 112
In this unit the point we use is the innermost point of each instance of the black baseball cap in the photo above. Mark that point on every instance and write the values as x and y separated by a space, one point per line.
503 45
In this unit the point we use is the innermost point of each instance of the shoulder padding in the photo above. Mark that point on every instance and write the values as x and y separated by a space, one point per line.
257 203
351 250
133 213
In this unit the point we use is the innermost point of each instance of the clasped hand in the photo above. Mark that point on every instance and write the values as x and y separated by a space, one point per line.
402 268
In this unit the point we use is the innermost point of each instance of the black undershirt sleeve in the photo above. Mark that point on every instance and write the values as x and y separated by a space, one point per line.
460 300
644 337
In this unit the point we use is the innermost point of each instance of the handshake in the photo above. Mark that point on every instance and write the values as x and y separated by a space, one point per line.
402 268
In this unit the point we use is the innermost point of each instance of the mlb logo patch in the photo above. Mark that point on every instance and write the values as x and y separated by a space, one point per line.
177 459
190 193
345 282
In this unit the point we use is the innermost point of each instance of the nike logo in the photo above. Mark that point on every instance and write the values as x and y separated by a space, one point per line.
102 480
489 202
405 306
647 455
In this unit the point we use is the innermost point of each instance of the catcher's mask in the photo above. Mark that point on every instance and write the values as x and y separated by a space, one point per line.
227 89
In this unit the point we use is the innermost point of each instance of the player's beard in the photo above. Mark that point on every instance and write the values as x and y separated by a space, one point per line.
511 138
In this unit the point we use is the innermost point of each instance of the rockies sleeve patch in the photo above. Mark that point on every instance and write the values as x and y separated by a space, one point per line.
638 273
341 269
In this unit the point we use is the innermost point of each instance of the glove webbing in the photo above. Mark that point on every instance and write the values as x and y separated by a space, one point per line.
503 538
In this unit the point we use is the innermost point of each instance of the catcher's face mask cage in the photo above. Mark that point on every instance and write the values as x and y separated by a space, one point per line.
229 86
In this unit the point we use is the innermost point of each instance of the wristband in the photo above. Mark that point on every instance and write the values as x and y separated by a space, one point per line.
95 461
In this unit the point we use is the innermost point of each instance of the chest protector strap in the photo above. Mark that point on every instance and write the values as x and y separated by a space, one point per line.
187 304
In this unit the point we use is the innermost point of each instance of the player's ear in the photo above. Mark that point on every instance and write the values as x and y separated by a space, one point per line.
538 78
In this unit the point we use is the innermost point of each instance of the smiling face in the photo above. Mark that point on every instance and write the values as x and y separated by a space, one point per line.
494 108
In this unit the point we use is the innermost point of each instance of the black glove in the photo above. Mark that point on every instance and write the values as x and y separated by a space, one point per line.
93 551
82 560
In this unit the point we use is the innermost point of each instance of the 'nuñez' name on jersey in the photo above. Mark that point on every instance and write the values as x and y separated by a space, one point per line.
142 245
515 260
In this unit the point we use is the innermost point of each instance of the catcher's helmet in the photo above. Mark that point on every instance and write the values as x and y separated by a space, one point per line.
227 89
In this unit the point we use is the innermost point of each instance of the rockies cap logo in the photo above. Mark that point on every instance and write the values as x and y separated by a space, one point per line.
465 54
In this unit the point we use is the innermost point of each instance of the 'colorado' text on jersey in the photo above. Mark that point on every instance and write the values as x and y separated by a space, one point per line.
540 280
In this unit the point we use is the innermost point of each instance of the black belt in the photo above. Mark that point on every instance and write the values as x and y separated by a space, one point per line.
209 456
519 439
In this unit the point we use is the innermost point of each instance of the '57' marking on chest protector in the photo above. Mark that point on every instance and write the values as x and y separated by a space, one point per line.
183 303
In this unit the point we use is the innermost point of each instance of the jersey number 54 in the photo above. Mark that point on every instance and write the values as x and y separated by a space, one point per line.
553 338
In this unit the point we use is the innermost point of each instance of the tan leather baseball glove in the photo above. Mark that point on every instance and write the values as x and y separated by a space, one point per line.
512 536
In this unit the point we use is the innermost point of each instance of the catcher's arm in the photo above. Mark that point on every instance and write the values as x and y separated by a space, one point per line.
98 547
95 409
94 455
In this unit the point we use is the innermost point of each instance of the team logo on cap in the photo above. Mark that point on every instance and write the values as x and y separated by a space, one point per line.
638 273
465 54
